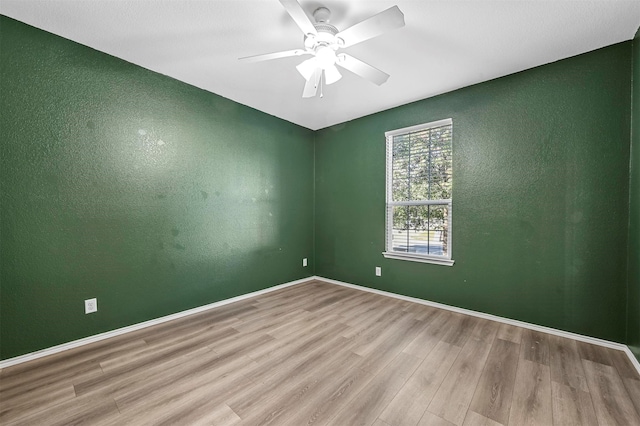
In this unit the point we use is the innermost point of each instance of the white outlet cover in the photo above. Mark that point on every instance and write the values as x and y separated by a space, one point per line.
90 306
304 262
378 271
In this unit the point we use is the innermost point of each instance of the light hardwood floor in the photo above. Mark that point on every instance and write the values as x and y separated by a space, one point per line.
316 354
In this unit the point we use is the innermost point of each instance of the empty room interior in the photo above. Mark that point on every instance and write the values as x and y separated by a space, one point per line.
336 213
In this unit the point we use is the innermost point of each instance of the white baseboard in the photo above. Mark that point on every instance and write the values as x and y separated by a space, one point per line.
95 338
549 330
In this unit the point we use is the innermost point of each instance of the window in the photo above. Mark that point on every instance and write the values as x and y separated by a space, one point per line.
419 167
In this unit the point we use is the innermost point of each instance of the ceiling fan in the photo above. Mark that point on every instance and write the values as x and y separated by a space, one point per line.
322 40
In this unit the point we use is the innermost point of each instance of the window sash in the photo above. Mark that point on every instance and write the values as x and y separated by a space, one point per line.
420 164
390 229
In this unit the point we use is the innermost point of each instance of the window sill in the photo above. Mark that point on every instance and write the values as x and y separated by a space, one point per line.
423 259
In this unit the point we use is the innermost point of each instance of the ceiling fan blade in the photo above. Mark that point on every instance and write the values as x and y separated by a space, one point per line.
331 75
311 87
299 16
276 55
384 21
362 69
307 68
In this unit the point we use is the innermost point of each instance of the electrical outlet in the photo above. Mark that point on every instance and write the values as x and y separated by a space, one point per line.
378 271
90 305
304 262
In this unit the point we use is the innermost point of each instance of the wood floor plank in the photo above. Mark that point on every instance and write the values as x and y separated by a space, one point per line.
332 395
492 398
460 328
207 320
531 404
564 362
430 419
362 310
303 320
572 407
535 346
348 301
67 374
243 344
188 410
40 388
81 410
594 353
174 348
372 321
218 370
633 388
371 342
70 364
336 397
114 382
623 364
423 312
367 405
510 332
301 339
485 331
268 322
194 398
388 349
298 403
411 402
23 404
453 398
325 301
429 337
314 346
475 419
287 377
611 401
139 383
216 415
203 333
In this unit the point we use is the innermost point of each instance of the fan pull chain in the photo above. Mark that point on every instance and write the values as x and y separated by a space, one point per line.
321 94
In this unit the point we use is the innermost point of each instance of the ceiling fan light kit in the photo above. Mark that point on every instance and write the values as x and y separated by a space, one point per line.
322 40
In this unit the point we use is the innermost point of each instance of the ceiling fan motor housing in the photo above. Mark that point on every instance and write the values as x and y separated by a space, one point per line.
326 33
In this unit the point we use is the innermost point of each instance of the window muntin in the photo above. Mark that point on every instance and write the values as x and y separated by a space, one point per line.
419 184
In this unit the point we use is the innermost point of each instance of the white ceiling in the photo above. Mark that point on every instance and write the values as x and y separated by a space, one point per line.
445 44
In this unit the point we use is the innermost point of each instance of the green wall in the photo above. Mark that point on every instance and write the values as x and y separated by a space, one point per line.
125 185
540 196
633 301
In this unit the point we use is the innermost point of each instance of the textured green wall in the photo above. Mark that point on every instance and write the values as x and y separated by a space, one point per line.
540 196
147 193
633 302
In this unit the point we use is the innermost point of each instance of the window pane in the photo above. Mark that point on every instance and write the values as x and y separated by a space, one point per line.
400 236
420 229
440 167
400 170
421 165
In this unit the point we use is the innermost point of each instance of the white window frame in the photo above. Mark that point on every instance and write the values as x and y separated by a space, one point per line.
389 253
